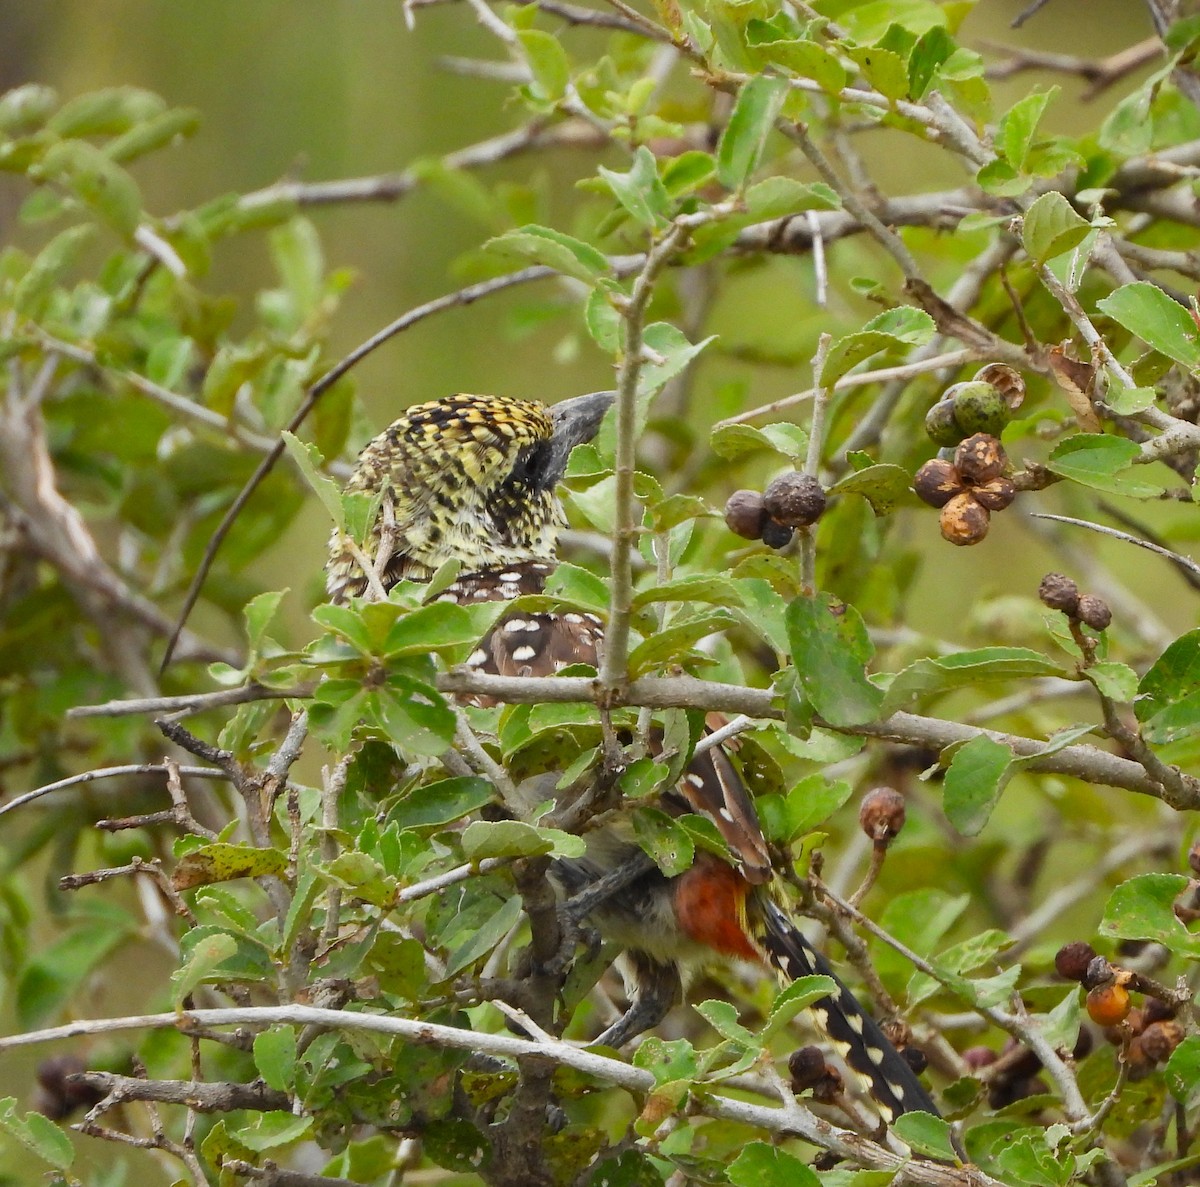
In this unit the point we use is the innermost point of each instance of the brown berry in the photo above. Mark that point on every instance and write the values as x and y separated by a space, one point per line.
980 458
1159 1039
1094 612
978 1057
58 1094
1194 858
1157 1011
1071 960
777 535
1059 593
1138 1064
745 514
794 499
806 1067
881 815
937 482
1108 1004
996 494
964 521
1083 1044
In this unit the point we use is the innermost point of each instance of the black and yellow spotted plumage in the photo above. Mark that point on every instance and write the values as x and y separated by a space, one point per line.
472 479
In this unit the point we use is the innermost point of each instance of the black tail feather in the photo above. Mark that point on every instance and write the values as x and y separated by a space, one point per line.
886 1074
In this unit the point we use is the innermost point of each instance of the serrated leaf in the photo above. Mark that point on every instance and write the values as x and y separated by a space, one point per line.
429 628
37 1134
977 774
1017 129
926 1134
931 676
745 135
1145 310
884 70
221 862
830 650
674 351
415 715
1118 682
775 197
671 645
544 245
516 838
1168 702
762 1165
1143 908
884 486
441 803
308 460
270 1131
901 327
640 191
734 441
1099 461
1052 226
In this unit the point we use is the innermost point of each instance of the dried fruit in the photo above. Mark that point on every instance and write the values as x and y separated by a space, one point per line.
964 521
980 458
1072 960
1007 381
978 1057
1159 1039
806 1067
937 482
940 424
979 408
745 514
776 535
995 495
794 499
1098 972
1108 1004
1059 593
1093 611
881 815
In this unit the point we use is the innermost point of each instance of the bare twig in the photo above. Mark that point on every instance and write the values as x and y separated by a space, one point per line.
129 769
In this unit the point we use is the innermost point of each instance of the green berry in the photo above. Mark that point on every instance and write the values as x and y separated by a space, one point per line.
941 425
978 408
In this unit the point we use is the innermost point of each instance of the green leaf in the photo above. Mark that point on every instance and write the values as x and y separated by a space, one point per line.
672 645
901 327
275 1057
884 70
415 715
1017 129
1118 682
830 650
976 776
430 628
441 803
674 351
640 191
774 197
101 184
884 486
547 61
38 1134
745 135
308 461
152 134
1145 310
544 245
26 108
926 1134
933 47
762 1165
1098 461
516 838
1182 1073
1144 909
665 840
110 111
223 862
488 934
734 441
698 588
1168 701
722 1016
48 269
1052 226
207 955
270 1131
603 321
793 999
808 59
933 676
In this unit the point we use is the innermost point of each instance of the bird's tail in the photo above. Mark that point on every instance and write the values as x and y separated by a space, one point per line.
885 1073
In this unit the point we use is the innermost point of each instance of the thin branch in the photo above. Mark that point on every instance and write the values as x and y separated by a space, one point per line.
791 1118
144 768
1189 566
203 1096
179 706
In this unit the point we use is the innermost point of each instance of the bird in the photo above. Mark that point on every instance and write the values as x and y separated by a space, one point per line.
472 479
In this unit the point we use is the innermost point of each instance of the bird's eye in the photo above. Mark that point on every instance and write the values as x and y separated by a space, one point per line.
531 468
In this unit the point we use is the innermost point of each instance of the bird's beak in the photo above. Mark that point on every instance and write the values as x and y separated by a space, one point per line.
575 420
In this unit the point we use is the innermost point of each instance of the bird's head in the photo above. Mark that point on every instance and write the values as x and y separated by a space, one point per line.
467 478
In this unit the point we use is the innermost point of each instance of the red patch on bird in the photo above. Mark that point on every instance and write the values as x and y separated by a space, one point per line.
710 904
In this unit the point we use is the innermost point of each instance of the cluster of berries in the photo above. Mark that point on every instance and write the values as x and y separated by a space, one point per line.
790 501
967 489
1061 593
